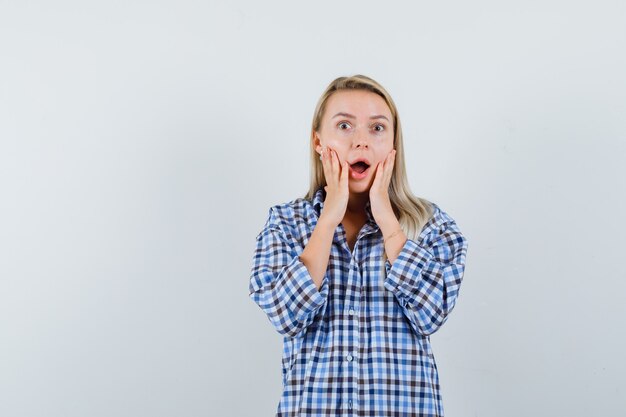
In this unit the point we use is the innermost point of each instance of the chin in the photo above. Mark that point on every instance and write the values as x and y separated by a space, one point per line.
359 188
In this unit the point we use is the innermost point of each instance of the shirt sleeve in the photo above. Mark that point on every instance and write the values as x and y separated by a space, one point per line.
280 284
426 278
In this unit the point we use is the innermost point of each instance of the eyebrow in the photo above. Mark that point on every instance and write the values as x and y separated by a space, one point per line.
378 116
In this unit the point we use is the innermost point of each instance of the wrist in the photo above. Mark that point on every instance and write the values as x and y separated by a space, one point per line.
324 223
395 234
390 226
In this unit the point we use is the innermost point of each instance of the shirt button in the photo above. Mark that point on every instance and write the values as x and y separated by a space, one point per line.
351 312
349 358
350 404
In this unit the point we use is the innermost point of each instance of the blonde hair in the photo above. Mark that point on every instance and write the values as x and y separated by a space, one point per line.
412 212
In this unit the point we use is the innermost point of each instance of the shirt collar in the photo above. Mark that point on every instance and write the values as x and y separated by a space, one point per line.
318 204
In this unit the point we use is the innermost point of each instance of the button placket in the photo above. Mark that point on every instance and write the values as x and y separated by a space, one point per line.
350 356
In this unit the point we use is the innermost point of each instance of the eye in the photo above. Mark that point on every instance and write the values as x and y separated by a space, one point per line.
382 127
342 123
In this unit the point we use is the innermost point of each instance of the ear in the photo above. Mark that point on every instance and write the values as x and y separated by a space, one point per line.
318 143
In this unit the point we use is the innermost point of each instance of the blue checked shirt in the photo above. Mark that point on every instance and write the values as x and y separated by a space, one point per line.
360 345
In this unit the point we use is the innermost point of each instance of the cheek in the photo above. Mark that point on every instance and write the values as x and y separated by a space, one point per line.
380 161
383 154
335 143
338 147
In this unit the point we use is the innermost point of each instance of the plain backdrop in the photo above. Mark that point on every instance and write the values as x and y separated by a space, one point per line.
142 144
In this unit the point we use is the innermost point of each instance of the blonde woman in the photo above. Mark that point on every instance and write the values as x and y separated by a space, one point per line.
358 273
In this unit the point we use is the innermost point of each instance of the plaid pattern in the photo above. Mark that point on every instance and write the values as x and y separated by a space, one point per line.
360 345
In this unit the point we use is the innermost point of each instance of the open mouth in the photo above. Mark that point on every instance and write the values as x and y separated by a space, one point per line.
359 167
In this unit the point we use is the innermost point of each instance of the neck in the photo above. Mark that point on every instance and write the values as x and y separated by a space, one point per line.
357 203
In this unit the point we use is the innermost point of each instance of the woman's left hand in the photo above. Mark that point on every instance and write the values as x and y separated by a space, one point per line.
379 192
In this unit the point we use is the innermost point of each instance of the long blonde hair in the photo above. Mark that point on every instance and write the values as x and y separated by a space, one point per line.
412 212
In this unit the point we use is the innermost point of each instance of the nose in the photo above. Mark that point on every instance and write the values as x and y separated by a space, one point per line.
361 140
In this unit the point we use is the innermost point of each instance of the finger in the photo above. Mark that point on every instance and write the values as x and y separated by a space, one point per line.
376 175
389 165
385 163
344 173
331 175
392 158
325 164
343 168
335 163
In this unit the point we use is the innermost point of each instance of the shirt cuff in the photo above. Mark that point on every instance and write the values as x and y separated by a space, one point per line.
301 290
404 276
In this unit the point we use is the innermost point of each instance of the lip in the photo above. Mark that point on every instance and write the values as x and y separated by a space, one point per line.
359 176
360 160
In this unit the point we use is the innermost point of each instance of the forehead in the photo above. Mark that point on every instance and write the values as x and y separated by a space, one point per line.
360 103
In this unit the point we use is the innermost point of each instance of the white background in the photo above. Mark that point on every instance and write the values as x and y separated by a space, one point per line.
142 144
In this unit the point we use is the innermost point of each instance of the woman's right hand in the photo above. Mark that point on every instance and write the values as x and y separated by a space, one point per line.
337 194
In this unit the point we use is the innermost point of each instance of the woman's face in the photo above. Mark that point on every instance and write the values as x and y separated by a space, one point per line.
357 124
